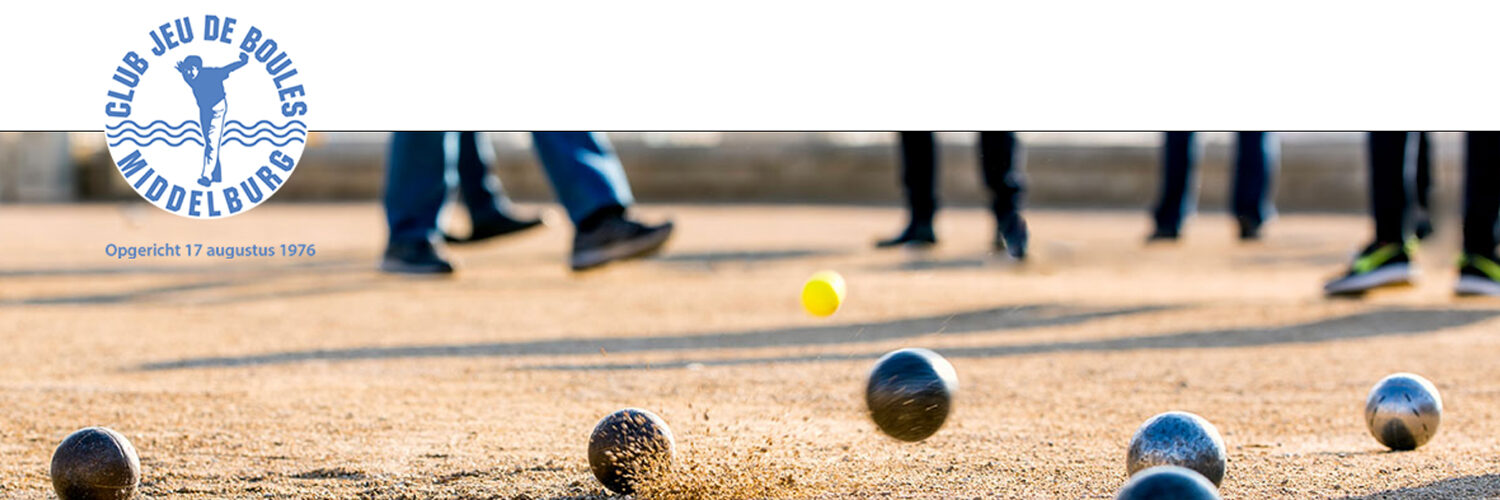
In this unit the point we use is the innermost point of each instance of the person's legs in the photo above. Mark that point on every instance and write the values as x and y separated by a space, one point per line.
1254 171
591 185
489 208
1421 217
211 120
1387 260
210 145
1481 191
1178 195
1391 160
999 153
919 160
585 173
1479 272
919 163
221 111
415 188
480 188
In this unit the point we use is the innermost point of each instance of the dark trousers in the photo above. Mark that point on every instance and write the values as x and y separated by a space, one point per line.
416 185
1254 172
1400 176
478 186
419 177
999 153
582 167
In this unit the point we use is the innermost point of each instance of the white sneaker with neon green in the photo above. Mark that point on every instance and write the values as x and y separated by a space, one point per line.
1478 275
1378 265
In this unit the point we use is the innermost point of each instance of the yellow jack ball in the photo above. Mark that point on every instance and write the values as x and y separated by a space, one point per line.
823 293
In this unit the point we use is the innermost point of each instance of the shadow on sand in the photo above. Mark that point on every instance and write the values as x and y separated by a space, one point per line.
1458 488
1391 322
957 263
740 256
1003 318
215 279
126 269
1362 325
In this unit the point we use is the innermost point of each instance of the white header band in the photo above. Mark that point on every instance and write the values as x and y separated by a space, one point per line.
820 65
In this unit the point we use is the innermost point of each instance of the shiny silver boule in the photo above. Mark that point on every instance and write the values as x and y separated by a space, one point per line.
1168 482
910 393
1178 438
1403 411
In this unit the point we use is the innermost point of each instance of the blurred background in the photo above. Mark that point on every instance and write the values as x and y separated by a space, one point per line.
1320 171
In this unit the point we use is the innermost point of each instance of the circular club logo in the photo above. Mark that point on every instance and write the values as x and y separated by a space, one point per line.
207 119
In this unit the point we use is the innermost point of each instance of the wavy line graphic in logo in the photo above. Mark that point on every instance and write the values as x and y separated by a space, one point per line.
152 125
267 133
266 124
263 139
154 140
154 132
207 119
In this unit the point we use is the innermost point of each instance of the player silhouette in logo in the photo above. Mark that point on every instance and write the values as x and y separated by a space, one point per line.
208 88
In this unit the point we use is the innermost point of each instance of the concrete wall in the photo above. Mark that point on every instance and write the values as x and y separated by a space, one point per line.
1320 171
36 167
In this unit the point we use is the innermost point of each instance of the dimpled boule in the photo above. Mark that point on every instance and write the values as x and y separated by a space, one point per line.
629 446
910 393
1168 482
1403 411
95 464
1178 438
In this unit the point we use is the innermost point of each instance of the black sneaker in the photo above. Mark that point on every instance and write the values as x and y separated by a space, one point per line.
1011 236
414 257
617 238
1380 264
491 227
1162 235
1478 275
916 235
1249 230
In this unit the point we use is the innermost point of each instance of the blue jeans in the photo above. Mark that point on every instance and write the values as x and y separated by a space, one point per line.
424 166
1254 171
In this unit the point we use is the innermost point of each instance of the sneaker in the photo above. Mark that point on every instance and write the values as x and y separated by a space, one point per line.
491 227
1162 235
916 235
1380 264
1011 236
1249 230
617 238
1478 275
414 257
